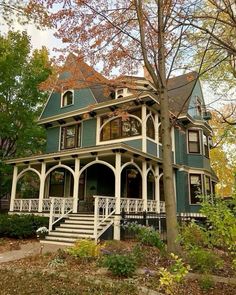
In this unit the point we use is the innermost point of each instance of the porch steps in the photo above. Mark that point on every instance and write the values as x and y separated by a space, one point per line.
74 227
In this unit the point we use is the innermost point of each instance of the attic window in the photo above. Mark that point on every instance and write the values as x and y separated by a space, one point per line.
199 107
119 93
67 98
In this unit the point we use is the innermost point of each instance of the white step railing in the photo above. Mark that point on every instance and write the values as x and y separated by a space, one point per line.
104 208
59 208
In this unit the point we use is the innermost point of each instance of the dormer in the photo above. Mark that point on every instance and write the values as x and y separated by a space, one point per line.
122 92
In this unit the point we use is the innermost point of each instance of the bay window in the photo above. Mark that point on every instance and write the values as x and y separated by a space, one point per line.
195 187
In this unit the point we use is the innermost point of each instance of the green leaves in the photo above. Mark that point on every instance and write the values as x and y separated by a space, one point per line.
20 100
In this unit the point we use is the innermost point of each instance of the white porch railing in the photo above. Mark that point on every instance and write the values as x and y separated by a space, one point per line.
162 207
30 205
132 205
59 208
104 208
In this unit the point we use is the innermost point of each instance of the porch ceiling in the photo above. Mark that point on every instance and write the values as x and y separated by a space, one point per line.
86 153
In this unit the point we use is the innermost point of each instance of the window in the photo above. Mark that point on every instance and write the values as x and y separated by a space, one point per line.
70 137
198 107
195 186
193 142
150 128
67 98
206 146
119 128
207 185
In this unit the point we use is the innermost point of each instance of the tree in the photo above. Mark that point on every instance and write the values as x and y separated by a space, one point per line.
20 99
122 35
23 12
223 156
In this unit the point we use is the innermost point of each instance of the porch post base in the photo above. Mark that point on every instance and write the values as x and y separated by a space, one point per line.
116 234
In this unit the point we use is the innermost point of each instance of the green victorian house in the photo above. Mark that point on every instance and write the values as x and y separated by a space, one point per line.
104 152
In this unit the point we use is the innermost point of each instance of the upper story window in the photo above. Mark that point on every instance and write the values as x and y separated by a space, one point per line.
193 142
150 128
195 187
206 145
70 136
118 128
67 98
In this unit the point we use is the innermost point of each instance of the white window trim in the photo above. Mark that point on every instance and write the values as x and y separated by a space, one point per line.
73 98
79 136
189 191
200 134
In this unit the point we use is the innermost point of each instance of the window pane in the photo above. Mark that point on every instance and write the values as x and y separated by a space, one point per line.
70 137
195 188
135 127
193 147
150 128
105 135
193 136
115 128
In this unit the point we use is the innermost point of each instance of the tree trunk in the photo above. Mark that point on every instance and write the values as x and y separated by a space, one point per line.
170 202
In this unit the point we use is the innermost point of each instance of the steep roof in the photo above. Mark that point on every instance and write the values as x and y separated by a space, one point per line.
77 74
179 90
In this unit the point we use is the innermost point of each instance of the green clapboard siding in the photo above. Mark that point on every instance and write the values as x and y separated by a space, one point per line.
151 148
136 143
182 191
89 133
180 147
195 161
52 139
82 98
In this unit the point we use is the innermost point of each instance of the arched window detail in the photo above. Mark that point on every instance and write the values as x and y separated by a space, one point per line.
150 128
118 128
67 98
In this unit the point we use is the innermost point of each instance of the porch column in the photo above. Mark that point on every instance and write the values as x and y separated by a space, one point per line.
13 188
144 185
76 185
117 197
42 186
157 188
144 123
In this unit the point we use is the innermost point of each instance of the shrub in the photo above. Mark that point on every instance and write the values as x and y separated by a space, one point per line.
221 217
120 265
192 235
206 283
85 249
204 260
147 235
169 278
21 226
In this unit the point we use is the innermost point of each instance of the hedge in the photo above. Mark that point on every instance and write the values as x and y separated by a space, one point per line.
21 226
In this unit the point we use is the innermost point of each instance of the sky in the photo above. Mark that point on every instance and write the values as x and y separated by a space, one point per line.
46 38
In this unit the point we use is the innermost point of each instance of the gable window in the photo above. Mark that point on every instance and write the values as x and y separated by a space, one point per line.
206 145
67 98
193 142
199 107
70 137
150 128
195 187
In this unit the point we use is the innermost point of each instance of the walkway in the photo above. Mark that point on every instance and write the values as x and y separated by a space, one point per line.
26 250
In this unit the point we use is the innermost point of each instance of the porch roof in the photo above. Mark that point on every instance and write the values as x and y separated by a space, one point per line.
85 153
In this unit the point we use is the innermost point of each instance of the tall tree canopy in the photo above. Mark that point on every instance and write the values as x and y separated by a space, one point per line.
20 99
